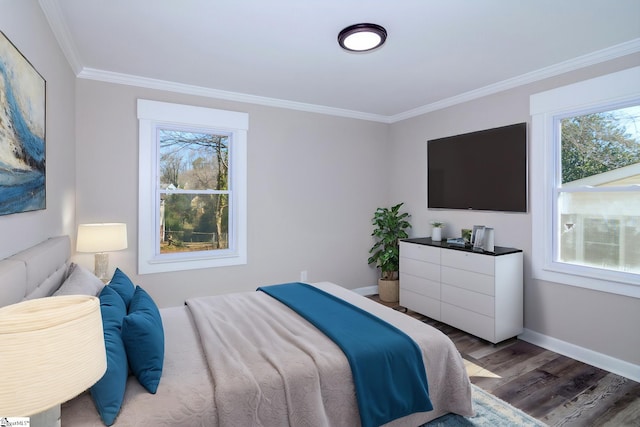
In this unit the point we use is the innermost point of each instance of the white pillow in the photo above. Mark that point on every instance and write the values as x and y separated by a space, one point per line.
80 282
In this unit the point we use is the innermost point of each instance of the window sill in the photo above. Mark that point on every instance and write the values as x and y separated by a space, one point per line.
165 265
623 287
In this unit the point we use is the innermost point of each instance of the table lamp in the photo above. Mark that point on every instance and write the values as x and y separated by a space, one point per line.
51 350
101 238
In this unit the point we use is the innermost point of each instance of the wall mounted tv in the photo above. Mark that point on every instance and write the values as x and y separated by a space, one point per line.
484 170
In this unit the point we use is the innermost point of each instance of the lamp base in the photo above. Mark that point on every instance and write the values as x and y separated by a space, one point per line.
48 418
101 266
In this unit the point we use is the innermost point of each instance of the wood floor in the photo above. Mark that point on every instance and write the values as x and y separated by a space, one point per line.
555 389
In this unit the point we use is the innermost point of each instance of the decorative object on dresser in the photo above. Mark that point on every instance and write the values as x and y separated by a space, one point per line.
478 230
390 226
436 231
483 238
466 235
477 292
52 350
489 237
22 132
102 238
456 241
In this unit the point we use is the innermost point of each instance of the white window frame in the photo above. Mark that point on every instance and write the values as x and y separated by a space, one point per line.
153 115
620 88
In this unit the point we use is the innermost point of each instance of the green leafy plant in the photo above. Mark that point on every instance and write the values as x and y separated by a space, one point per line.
390 226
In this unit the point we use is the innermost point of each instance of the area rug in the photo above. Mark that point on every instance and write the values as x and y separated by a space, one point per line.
490 412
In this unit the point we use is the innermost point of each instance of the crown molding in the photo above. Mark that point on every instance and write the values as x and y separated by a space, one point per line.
617 51
149 83
56 20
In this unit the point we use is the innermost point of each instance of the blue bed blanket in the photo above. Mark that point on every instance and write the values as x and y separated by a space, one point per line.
386 364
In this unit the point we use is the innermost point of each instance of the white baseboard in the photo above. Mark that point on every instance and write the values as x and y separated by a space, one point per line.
599 360
366 290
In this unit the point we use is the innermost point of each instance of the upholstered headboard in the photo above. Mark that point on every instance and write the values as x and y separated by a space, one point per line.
35 272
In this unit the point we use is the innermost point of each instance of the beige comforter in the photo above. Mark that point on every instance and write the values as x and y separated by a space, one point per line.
270 367
247 360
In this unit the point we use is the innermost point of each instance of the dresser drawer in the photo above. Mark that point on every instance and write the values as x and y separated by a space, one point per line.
420 303
420 252
421 269
472 301
484 264
469 280
420 285
474 323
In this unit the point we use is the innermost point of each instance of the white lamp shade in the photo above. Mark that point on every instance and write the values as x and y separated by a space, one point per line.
51 350
103 237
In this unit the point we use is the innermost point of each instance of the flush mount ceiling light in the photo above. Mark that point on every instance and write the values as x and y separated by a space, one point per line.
362 37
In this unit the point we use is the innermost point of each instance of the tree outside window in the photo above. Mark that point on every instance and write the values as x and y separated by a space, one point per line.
193 191
599 142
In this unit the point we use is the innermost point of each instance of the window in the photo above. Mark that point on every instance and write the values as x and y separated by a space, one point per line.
599 171
586 184
192 189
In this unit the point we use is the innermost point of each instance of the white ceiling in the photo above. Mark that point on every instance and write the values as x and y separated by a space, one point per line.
285 53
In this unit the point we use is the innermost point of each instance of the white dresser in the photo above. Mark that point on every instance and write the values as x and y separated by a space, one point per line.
480 293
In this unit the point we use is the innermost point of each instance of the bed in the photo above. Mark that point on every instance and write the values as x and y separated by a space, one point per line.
302 378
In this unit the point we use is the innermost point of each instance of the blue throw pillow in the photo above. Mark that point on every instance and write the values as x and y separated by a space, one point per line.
143 337
121 283
108 392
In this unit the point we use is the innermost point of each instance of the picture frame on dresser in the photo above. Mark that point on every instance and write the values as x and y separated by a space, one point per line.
474 233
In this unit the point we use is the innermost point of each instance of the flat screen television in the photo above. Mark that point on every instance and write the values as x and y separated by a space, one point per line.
484 170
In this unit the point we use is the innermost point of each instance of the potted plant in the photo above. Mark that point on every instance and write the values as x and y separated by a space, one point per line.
390 226
436 231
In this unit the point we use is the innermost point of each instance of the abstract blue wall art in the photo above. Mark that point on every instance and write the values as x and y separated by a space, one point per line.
22 132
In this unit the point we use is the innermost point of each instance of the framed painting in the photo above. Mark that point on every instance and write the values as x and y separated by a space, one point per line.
22 132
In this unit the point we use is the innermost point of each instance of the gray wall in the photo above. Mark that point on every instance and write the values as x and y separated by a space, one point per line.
314 182
24 25
598 321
